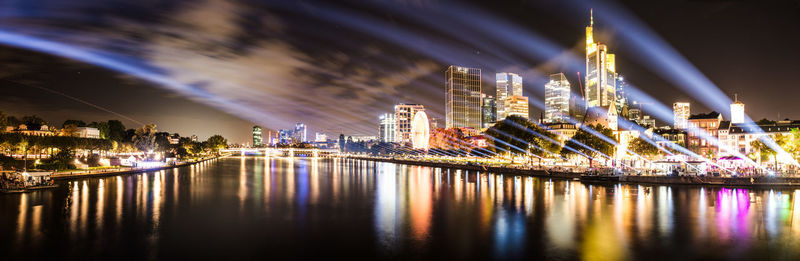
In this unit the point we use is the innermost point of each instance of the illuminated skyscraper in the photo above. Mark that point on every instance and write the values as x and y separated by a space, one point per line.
518 105
256 136
404 114
737 110
600 72
462 97
680 115
489 110
556 99
508 84
388 127
300 133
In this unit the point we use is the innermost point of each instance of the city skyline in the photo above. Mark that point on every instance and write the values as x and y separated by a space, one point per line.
84 81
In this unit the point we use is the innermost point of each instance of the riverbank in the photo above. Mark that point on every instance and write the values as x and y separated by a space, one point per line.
121 171
657 180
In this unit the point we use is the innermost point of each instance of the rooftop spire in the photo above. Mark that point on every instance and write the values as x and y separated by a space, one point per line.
591 16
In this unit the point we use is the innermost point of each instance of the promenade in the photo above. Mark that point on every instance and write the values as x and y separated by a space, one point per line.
69 175
762 181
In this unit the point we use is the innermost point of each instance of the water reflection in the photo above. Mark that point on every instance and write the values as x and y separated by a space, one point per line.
395 211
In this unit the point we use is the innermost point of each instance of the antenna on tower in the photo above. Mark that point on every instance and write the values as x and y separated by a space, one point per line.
735 97
591 16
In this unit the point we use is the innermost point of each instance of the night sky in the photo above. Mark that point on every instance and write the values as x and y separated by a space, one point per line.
218 67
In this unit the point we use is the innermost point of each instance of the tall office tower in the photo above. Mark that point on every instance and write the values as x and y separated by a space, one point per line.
285 136
621 98
489 109
404 114
320 137
737 110
463 97
508 84
680 115
518 105
556 99
388 127
600 72
257 136
300 134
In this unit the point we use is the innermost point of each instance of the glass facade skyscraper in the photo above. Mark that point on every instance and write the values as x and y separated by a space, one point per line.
489 109
507 84
257 139
463 97
556 99
601 73
387 131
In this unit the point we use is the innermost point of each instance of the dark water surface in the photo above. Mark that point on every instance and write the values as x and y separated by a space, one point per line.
279 209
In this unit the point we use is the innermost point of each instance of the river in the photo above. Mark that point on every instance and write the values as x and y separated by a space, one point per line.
300 208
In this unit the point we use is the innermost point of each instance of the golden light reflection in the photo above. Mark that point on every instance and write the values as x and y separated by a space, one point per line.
421 201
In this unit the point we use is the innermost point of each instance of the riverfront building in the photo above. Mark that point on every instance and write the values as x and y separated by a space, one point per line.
388 127
257 136
404 114
702 132
556 99
507 84
489 110
680 115
737 110
463 97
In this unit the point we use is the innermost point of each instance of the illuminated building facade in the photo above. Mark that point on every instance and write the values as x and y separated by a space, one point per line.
420 131
462 97
680 115
489 110
600 72
257 136
404 114
702 130
517 105
737 110
556 99
300 133
388 127
507 84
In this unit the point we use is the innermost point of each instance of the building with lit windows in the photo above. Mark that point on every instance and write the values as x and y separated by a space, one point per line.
300 133
702 130
388 127
517 105
600 72
489 110
462 97
404 114
737 110
680 115
257 136
556 99
507 84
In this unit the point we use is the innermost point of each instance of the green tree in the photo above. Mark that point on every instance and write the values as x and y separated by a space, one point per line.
517 135
33 122
216 142
102 127
77 123
765 151
643 148
145 138
592 146
116 130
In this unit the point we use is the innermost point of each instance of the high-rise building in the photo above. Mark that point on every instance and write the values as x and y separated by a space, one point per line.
621 98
737 110
404 114
556 99
388 127
635 115
600 72
257 136
463 97
285 136
680 115
489 109
320 137
507 84
518 105
300 134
